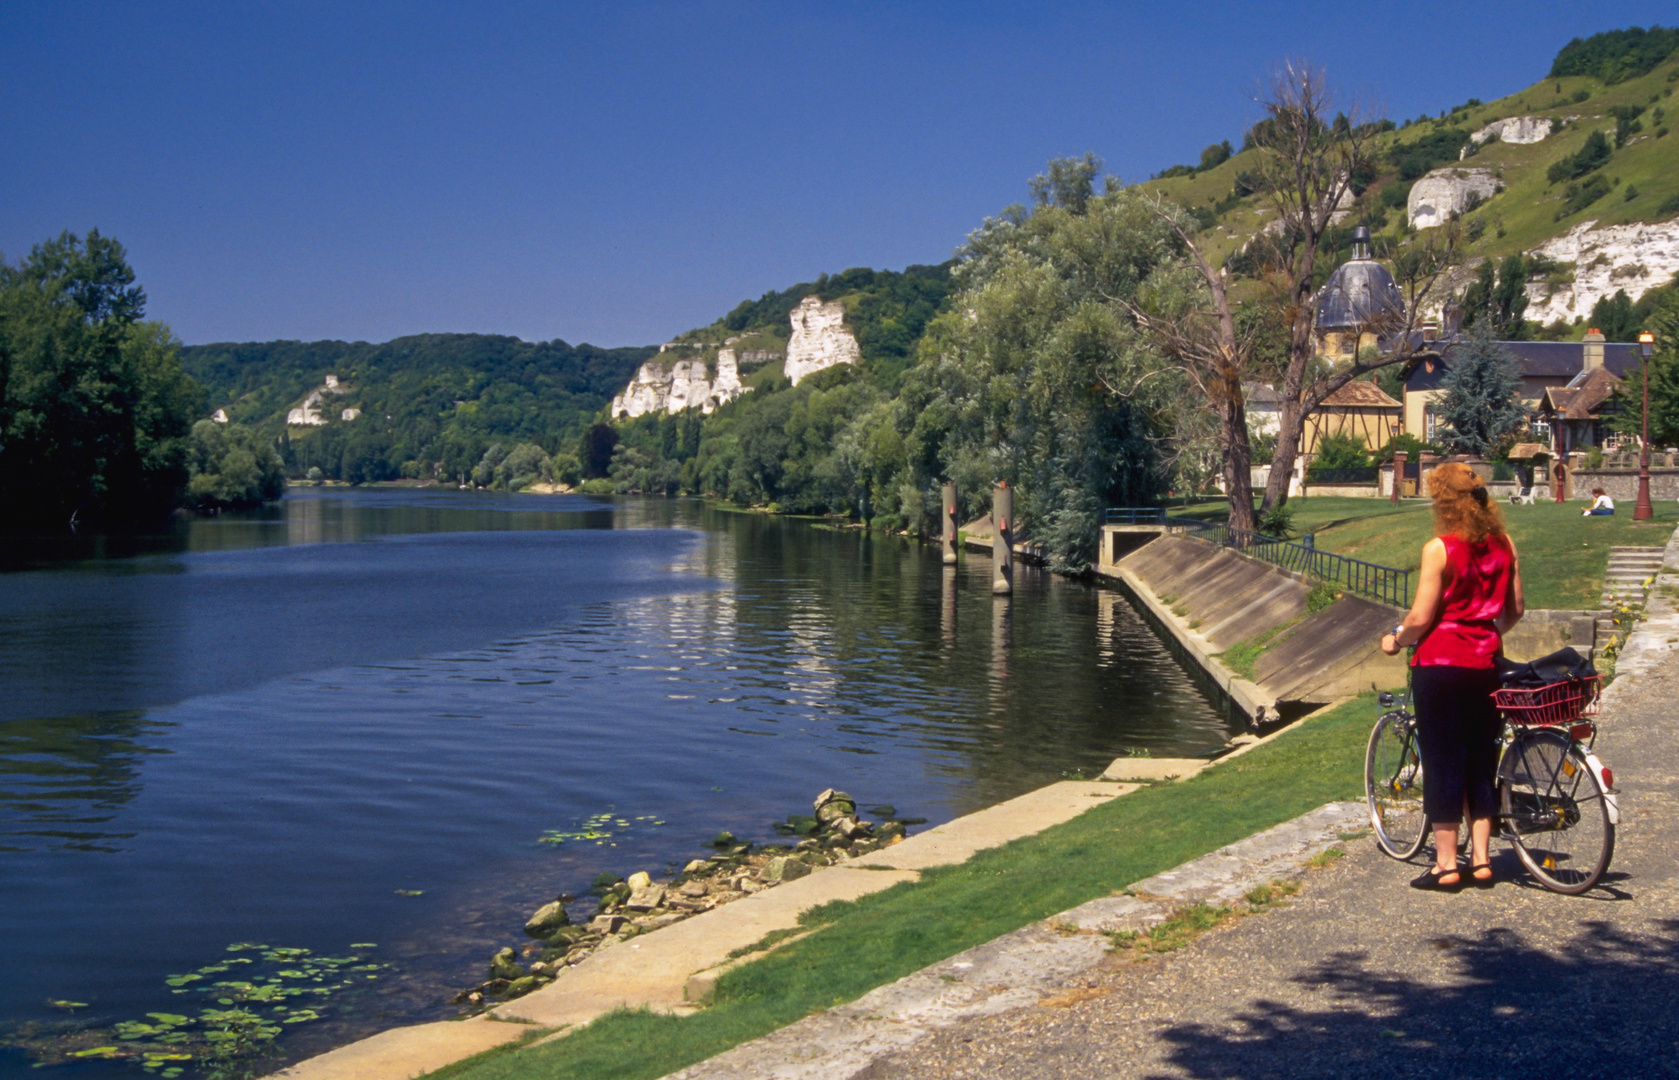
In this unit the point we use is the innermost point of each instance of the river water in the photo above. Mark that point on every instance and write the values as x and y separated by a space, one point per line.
346 724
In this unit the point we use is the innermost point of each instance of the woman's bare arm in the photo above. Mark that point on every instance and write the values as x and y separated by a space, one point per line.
1431 585
1515 606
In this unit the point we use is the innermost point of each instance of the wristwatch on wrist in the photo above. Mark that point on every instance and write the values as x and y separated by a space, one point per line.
1398 628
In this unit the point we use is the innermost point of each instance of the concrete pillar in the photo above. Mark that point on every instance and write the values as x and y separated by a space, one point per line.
1399 457
1002 540
947 512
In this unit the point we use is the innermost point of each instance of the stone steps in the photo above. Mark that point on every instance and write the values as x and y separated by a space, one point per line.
1629 568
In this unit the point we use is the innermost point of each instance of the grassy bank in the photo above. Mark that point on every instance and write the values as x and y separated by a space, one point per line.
1563 554
880 938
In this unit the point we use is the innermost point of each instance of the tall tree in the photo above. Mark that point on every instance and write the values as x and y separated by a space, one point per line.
1308 154
1627 413
94 408
1481 406
1496 300
1616 318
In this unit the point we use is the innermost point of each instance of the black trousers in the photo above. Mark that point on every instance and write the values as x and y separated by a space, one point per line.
1457 732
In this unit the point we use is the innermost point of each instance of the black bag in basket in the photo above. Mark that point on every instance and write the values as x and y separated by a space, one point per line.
1564 665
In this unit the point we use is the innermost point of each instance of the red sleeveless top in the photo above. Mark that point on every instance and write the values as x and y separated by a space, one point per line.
1464 635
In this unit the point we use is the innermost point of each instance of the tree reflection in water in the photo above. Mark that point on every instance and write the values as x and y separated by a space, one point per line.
63 777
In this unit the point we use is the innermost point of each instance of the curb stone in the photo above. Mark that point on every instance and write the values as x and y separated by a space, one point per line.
1020 968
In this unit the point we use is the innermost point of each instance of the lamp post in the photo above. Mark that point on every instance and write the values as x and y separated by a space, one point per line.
1643 511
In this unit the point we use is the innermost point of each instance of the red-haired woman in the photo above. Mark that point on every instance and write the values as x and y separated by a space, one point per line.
1469 594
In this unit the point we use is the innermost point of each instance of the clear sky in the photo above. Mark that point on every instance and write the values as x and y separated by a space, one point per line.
619 172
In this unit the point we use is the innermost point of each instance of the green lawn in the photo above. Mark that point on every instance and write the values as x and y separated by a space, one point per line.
880 938
1563 554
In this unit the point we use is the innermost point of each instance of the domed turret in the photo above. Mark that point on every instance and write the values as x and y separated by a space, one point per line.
1359 301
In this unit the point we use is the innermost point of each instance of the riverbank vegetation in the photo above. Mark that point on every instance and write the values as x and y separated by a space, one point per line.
95 411
859 945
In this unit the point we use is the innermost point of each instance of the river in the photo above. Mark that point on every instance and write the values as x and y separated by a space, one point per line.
346 724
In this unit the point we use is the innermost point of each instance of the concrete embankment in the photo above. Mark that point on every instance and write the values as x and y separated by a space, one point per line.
1216 603
1212 600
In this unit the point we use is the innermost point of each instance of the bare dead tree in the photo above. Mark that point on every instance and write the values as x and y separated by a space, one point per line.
1203 338
1307 159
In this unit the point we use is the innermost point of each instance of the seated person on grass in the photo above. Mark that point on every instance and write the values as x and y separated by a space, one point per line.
1602 505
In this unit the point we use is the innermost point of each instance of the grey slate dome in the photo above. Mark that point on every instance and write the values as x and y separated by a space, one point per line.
1360 294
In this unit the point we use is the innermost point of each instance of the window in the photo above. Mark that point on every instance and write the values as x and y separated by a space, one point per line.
1429 421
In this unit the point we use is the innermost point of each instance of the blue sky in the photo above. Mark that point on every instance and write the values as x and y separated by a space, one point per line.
619 172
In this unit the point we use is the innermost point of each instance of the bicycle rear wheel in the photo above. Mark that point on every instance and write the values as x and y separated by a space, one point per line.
1393 785
1555 811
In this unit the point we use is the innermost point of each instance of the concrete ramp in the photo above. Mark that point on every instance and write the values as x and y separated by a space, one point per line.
1333 654
1231 597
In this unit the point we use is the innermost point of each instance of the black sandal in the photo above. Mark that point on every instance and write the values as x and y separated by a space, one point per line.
1482 882
1430 882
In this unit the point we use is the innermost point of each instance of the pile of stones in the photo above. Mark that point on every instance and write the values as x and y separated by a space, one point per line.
637 904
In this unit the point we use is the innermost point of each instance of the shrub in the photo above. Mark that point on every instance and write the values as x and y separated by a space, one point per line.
1593 155
1670 205
1396 195
1579 196
1277 521
1615 55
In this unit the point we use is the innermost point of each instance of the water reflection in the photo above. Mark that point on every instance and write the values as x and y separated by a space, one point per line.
63 778
289 722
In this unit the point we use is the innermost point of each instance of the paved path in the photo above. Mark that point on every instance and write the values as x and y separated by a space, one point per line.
1360 975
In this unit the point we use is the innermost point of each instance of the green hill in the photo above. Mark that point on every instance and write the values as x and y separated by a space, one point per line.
430 404
1620 84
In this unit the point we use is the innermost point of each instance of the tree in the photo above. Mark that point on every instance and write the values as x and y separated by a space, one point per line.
94 408
1481 404
1626 412
596 450
1497 300
233 467
1616 318
1306 159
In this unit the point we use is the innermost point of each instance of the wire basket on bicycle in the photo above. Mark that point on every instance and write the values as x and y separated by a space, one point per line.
1556 703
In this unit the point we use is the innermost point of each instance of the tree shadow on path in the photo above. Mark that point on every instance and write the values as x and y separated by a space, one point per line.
1603 1003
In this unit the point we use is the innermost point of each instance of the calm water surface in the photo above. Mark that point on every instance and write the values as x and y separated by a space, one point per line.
350 720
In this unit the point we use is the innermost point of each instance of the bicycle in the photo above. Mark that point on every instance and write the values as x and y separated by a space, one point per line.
1557 801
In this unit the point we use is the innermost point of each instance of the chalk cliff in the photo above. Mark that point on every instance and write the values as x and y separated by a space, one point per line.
1444 192
1636 257
820 339
308 414
1512 129
668 385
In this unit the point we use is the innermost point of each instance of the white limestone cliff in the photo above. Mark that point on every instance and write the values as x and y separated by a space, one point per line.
1520 130
1444 192
308 414
820 339
1636 257
670 386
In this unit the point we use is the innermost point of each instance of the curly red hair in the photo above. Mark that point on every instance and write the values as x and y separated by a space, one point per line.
1461 506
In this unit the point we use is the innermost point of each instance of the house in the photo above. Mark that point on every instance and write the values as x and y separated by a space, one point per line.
1360 409
1544 366
1264 407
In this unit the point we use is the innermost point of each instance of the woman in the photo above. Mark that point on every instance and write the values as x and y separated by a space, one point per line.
1602 505
1469 594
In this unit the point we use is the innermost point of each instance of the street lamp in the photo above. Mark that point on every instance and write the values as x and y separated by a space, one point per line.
1643 511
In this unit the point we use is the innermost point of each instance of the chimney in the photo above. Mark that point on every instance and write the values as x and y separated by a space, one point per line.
1592 350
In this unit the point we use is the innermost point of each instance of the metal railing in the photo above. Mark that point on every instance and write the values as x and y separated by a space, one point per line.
1134 515
1384 584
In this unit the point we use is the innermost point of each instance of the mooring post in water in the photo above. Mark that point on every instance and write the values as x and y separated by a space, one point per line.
947 604
948 512
1002 539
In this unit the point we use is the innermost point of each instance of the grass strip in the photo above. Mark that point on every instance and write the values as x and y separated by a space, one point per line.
868 942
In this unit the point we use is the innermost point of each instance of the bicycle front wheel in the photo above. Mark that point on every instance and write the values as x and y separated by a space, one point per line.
1555 811
1393 785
